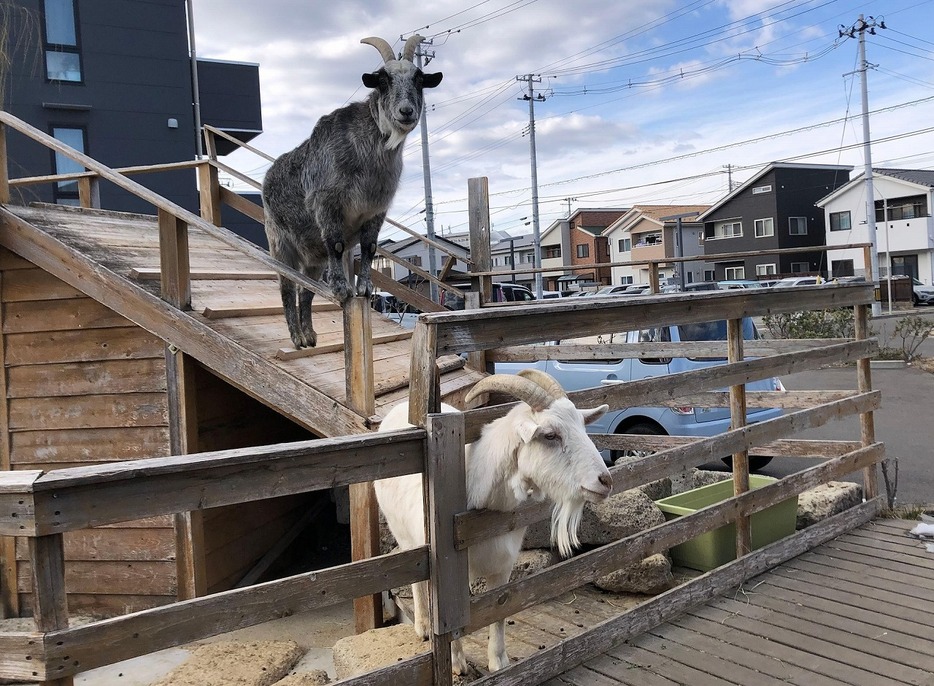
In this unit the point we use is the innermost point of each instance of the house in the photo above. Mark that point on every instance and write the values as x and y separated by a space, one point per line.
515 252
649 232
114 80
904 226
774 209
578 240
415 252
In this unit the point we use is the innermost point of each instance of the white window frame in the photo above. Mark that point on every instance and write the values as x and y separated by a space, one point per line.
792 231
764 228
734 273
720 230
766 269
710 275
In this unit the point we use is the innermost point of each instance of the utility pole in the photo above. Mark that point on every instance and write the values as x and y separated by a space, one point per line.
531 79
426 173
569 201
860 28
729 177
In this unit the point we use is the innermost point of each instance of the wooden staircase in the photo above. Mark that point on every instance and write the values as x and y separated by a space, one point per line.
235 326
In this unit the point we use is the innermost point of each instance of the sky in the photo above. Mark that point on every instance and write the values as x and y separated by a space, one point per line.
635 102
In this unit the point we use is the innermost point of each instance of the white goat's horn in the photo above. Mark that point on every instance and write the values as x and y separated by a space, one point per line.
385 49
546 381
516 386
408 52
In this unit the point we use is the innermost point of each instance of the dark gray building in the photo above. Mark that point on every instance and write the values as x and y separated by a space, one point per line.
113 79
774 209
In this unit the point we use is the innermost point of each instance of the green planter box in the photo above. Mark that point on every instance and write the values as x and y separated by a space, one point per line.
718 547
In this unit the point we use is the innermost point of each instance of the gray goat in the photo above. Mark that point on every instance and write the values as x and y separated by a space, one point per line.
332 191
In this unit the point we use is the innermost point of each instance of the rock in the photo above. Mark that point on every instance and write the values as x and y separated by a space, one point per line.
228 663
620 515
528 562
656 490
826 500
704 477
649 577
318 677
355 655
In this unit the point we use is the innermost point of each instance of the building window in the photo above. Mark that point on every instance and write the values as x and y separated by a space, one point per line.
762 189
625 280
650 239
583 250
625 244
841 268
797 226
764 228
765 270
710 275
415 260
840 221
800 267
728 230
551 251
901 208
734 273
62 56
66 192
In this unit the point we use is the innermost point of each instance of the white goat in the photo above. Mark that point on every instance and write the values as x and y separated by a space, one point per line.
540 449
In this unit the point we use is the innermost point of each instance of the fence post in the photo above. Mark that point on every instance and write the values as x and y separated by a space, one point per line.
364 512
446 486
209 192
867 425
173 260
4 169
49 599
734 328
89 192
478 219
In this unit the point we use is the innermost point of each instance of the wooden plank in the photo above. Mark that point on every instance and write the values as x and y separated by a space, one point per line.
173 256
59 315
9 598
99 494
45 577
147 544
88 411
416 671
867 431
21 655
30 285
209 193
734 331
293 354
81 346
236 312
105 577
88 445
142 375
150 274
121 638
241 204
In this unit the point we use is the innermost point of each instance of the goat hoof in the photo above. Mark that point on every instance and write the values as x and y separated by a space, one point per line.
498 662
304 339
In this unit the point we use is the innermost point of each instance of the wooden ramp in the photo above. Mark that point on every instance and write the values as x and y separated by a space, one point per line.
235 327
855 611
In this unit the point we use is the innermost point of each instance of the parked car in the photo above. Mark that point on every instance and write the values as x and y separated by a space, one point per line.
501 292
612 290
700 286
798 281
921 293
681 421
737 284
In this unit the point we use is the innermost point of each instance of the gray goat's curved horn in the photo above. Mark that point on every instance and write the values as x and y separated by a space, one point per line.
385 49
408 52
516 386
546 381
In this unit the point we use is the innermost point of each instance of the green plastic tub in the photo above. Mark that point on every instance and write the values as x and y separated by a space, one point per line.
717 547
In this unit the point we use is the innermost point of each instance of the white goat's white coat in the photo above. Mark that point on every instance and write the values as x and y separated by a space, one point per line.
527 454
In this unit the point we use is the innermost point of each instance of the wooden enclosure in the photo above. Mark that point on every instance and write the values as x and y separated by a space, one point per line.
233 415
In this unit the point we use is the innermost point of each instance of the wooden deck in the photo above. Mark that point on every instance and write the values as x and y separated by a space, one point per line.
857 611
235 327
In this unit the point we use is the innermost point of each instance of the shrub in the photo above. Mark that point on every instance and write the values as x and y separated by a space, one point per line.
836 323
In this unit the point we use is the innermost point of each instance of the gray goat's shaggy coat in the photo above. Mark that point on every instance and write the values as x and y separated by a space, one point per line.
332 191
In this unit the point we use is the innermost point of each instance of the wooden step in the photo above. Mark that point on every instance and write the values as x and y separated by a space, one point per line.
293 354
260 310
147 274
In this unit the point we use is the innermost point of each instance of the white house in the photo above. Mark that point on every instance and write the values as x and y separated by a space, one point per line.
904 225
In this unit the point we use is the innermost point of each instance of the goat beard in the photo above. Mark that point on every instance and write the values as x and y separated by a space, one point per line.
565 521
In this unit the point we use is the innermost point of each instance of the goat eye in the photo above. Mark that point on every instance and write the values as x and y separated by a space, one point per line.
551 436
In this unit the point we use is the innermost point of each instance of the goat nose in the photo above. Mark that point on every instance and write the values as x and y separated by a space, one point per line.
406 110
606 480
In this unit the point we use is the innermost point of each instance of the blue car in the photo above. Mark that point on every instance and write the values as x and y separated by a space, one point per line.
681 421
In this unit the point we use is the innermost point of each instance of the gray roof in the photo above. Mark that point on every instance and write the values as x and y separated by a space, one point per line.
922 177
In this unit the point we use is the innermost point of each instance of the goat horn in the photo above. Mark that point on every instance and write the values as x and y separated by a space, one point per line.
546 381
408 52
516 386
384 48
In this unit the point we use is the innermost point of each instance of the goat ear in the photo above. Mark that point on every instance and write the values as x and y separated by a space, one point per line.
431 80
371 80
590 416
527 430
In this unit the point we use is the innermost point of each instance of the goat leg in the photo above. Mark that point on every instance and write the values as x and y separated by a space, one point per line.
306 331
369 236
496 648
288 290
